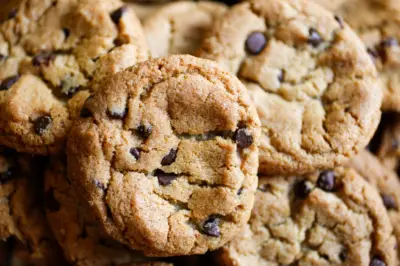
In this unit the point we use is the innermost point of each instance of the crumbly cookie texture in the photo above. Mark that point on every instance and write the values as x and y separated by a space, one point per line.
377 25
325 218
179 28
82 239
21 209
314 85
49 50
386 182
166 153
389 146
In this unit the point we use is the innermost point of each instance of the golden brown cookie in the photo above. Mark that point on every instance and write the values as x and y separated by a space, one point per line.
166 153
179 28
49 50
326 218
311 78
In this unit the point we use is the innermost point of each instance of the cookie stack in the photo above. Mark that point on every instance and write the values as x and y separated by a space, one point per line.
199 133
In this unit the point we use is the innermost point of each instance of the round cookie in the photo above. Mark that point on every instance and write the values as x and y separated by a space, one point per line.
76 230
386 182
377 25
167 155
179 28
389 146
48 51
21 208
314 85
325 218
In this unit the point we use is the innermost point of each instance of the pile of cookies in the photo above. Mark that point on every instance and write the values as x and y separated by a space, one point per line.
200 133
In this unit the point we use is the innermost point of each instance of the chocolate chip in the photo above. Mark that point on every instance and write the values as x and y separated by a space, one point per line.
12 13
117 14
41 124
343 255
377 261
117 42
169 158
314 38
243 138
339 20
239 192
8 82
326 181
210 227
43 59
135 152
66 32
281 76
389 42
85 112
116 114
51 202
144 131
302 189
373 52
389 202
99 184
255 43
164 179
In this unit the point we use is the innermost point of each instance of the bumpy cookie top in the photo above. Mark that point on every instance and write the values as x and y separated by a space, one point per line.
48 51
21 208
377 25
314 84
179 28
167 155
386 182
80 236
389 144
326 218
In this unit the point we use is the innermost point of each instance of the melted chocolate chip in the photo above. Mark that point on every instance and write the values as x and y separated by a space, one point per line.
302 189
117 14
135 152
389 202
8 82
314 38
377 261
51 202
66 32
255 43
343 255
169 158
210 227
43 59
114 114
326 181
389 42
144 131
41 124
13 13
243 138
339 20
164 179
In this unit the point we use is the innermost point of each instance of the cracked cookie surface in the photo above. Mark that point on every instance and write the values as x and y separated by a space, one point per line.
385 181
179 28
314 85
49 50
377 25
167 155
325 218
83 241
21 208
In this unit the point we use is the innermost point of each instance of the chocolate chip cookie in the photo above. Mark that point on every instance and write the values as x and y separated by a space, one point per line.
179 28
82 239
166 153
21 208
389 145
377 25
312 80
49 50
325 218
386 182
